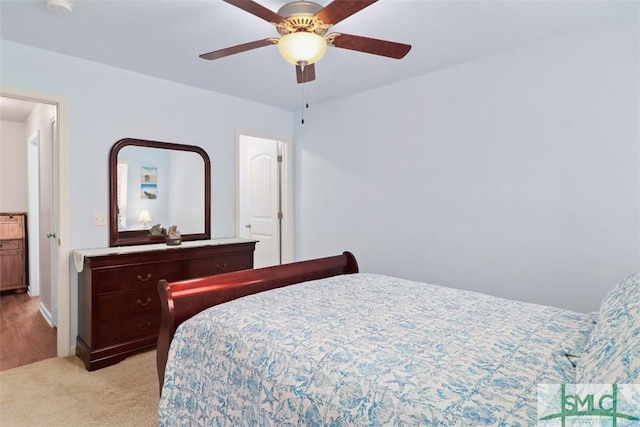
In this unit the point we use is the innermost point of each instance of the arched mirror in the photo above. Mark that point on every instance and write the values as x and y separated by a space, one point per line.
162 183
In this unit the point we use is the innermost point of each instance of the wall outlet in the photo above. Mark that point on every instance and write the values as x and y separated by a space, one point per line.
99 218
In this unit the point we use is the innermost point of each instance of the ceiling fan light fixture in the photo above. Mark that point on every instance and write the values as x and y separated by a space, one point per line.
302 47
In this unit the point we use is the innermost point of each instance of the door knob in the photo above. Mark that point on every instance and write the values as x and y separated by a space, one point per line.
51 234
247 226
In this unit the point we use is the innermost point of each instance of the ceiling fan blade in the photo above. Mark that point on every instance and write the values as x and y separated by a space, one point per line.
237 49
257 10
307 74
373 46
338 10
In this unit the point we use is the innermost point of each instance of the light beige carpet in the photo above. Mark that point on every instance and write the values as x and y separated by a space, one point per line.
61 392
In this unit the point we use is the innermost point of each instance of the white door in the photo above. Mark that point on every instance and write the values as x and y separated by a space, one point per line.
52 235
260 212
42 209
33 214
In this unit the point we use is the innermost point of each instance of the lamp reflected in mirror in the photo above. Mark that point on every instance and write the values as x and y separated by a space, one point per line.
145 219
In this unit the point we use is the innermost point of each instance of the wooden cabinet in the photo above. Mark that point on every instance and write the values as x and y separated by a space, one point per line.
118 303
13 260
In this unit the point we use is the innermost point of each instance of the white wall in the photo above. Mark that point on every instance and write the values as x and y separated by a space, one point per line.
107 104
13 167
515 175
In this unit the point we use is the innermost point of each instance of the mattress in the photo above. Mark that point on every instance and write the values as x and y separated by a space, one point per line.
366 349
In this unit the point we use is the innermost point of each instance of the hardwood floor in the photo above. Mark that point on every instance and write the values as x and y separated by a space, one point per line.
25 337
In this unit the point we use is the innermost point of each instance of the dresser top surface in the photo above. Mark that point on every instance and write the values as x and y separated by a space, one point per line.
79 255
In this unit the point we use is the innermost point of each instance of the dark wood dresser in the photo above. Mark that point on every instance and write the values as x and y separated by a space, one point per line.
118 303
13 246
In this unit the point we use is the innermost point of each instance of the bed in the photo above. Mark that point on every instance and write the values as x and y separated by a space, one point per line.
318 343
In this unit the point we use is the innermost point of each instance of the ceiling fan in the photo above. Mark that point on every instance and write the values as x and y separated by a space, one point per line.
303 27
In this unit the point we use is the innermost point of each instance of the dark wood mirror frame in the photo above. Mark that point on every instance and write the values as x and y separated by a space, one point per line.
141 237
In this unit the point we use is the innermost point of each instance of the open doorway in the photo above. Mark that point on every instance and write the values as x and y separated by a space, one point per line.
49 220
29 139
264 196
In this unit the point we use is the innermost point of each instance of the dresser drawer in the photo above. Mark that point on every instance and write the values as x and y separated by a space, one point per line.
10 245
130 303
11 226
118 330
220 264
136 276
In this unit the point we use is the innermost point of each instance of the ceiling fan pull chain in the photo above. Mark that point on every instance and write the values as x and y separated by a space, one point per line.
302 112
306 98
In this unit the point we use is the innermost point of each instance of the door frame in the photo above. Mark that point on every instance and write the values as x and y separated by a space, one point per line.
61 189
286 240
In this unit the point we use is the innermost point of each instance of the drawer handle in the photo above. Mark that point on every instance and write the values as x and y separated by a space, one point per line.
144 280
144 303
142 328
221 266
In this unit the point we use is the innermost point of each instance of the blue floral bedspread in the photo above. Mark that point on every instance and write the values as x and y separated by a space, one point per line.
366 349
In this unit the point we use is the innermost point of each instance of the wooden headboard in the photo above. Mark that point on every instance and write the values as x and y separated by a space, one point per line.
184 299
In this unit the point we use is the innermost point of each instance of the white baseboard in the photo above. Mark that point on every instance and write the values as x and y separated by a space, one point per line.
46 314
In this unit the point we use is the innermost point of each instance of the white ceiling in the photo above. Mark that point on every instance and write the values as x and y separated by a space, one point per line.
164 38
15 110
